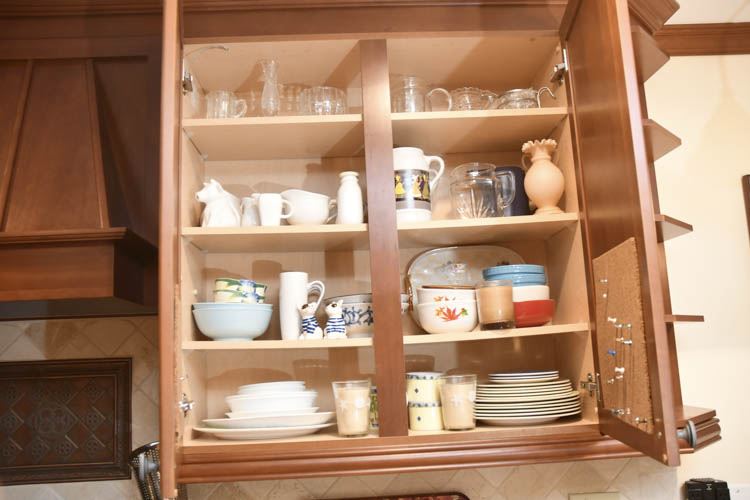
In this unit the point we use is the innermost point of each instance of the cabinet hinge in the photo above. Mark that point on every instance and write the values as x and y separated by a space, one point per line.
186 405
592 386
559 70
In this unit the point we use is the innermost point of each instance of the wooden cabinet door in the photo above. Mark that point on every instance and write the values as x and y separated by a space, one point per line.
626 300
169 349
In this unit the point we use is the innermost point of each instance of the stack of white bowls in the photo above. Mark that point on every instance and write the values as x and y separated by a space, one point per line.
269 410
447 309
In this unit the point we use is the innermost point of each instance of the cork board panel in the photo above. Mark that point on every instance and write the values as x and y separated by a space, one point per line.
620 336
66 420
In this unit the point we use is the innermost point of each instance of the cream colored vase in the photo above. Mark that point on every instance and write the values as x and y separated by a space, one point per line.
544 183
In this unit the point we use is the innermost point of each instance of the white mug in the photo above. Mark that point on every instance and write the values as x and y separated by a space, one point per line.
295 290
270 208
250 215
310 209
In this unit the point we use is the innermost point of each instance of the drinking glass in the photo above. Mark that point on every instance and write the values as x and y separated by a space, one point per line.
289 99
457 395
322 101
224 104
352 407
495 304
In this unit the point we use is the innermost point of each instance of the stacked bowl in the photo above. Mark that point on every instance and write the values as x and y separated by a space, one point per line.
446 308
237 313
357 313
531 303
269 410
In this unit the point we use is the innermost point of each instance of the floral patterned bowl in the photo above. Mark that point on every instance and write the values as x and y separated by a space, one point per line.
358 315
459 316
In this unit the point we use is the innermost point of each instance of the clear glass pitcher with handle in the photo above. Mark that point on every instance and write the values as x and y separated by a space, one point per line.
472 98
410 94
477 191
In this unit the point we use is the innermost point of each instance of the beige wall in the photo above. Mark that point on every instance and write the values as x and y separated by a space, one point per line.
706 101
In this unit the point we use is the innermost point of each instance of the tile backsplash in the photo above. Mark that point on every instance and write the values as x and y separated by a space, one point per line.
635 479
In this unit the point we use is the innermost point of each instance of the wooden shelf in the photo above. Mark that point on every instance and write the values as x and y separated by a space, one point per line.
474 131
649 57
479 231
668 227
210 345
659 141
280 238
684 318
269 137
495 334
564 425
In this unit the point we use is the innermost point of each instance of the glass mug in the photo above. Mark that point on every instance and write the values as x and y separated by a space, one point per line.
470 98
409 94
322 101
224 104
352 399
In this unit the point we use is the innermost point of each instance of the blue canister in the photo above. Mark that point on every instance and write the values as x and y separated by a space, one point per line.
520 205
514 269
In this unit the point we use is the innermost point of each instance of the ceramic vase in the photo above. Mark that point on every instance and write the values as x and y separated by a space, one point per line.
544 183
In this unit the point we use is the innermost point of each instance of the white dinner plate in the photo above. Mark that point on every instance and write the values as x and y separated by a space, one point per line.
517 380
303 419
524 374
528 412
521 390
531 406
271 413
263 433
524 399
282 386
537 383
524 420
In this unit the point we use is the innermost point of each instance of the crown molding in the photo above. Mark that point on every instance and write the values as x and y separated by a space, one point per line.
652 14
704 39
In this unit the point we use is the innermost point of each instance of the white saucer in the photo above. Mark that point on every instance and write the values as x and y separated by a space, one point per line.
524 420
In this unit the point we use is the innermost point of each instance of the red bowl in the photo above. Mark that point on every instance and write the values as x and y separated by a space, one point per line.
533 312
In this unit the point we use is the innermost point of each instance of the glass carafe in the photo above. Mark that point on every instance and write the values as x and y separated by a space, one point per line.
477 191
409 94
269 99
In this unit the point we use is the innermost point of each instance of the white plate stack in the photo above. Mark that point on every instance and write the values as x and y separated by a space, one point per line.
525 398
268 411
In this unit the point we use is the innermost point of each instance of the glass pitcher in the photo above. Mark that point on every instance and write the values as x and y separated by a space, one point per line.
477 191
471 98
409 94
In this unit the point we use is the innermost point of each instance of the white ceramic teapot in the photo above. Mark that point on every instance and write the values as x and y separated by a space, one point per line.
414 180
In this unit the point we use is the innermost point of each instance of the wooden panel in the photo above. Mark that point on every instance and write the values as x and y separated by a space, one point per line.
705 39
276 137
65 420
499 334
659 141
746 195
668 227
614 179
208 345
474 131
56 271
384 257
649 58
169 390
653 13
56 176
129 144
684 318
14 77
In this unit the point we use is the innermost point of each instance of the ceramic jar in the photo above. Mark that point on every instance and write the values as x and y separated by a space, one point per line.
414 181
349 197
425 416
544 183
422 387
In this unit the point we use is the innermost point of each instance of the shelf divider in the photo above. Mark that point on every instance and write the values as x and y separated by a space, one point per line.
659 141
668 227
684 318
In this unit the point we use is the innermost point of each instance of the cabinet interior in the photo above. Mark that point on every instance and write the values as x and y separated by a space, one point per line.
309 152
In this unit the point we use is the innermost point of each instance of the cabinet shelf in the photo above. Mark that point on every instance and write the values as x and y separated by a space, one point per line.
279 238
210 345
269 137
475 131
649 57
355 236
659 141
480 231
668 227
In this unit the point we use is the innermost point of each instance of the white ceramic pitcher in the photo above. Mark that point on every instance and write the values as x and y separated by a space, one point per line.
294 290
414 180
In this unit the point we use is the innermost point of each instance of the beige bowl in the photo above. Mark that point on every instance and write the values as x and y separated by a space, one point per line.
448 317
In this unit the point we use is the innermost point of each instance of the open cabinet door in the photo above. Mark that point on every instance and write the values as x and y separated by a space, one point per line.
170 127
628 325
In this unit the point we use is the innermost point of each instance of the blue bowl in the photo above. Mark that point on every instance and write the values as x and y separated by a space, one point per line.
520 279
514 269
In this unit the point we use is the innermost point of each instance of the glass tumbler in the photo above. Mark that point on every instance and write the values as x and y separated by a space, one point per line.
495 304
409 94
322 101
457 395
352 407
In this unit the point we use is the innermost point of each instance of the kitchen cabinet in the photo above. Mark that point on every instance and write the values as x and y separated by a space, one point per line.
606 150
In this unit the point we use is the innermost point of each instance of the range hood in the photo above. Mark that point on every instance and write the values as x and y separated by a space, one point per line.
78 188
